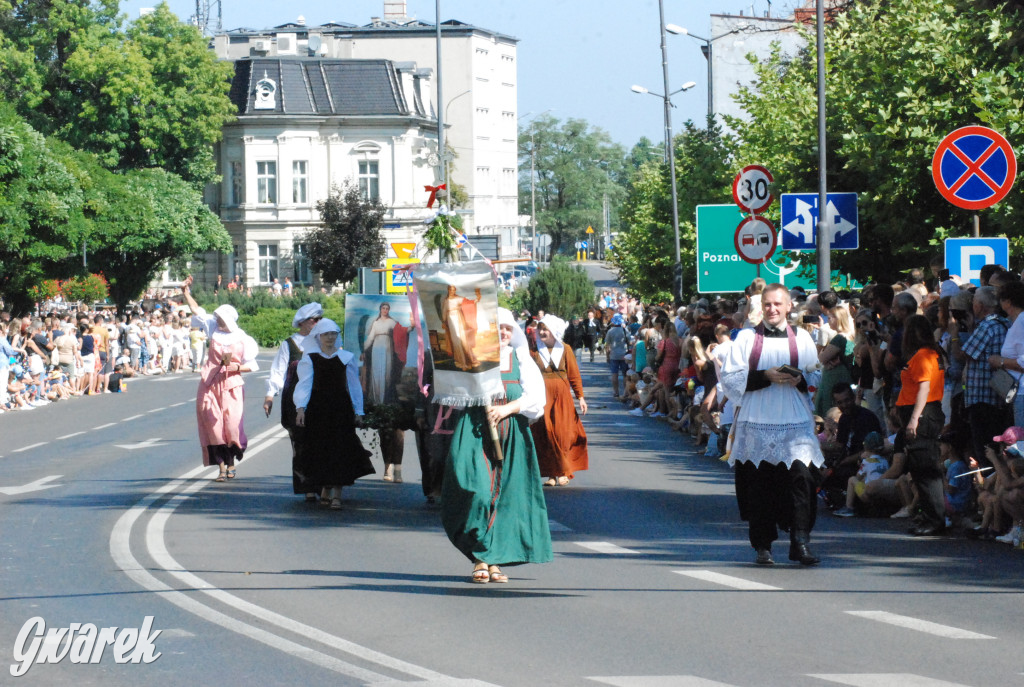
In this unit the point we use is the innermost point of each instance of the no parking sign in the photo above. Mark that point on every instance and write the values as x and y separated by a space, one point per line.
974 167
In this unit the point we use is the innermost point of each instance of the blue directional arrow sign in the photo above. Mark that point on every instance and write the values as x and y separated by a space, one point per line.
800 221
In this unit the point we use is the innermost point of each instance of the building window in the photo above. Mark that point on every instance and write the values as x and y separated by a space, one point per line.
266 182
300 177
481 51
369 179
237 183
300 255
507 58
268 268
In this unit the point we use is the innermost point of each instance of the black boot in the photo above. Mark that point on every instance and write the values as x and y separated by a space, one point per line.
764 557
799 551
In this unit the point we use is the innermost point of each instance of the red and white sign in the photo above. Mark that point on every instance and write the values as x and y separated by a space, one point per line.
752 189
756 240
974 167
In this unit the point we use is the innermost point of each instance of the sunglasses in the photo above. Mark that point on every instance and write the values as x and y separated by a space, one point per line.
861 323
315 319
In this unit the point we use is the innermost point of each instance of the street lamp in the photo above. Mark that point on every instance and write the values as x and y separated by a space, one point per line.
444 155
670 159
706 49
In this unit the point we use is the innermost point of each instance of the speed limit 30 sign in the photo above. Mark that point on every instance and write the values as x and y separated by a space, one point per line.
752 189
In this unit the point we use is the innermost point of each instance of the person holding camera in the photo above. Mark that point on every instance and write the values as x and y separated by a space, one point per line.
986 414
1011 356
774 445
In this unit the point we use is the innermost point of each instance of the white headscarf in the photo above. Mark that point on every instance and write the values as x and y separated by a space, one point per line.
518 337
556 325
307 311
229 316
322 327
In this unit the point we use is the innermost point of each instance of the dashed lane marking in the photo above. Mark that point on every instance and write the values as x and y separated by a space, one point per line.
728 580
73 434
606 548
133 417
156 410
30 447
887 680
659 681
920 625
175 405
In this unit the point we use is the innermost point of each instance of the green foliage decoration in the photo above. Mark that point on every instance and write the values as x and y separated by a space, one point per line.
561 288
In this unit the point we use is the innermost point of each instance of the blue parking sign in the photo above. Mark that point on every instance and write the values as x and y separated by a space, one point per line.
966 257
800 221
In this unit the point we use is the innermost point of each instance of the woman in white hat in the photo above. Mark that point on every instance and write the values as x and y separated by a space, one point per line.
221 396
282 380
329 404
560 438
493 508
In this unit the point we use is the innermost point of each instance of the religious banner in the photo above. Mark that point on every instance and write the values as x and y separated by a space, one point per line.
380 333
459 303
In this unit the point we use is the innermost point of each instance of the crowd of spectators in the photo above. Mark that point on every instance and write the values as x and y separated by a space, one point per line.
65 353
910 393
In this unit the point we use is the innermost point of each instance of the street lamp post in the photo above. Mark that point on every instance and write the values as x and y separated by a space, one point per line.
670 158
533 189
706 49
444 156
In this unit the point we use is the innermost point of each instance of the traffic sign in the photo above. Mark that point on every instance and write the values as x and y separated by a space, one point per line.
755 240
800 221
403 250
720 269
590 229
752 189
974 167
398 280
583 244
966 257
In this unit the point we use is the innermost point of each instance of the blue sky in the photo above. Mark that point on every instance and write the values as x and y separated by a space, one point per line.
577 58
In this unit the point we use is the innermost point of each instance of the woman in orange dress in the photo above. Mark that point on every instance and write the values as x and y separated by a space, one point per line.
560 439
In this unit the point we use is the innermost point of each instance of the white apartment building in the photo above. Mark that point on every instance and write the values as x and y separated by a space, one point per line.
480 115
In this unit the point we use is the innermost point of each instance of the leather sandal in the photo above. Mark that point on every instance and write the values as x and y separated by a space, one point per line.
222 476
496 575
231 473
480 576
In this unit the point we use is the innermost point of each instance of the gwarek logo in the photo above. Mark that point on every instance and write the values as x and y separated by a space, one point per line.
82 644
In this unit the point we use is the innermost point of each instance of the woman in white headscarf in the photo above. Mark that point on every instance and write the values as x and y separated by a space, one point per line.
493 508
560 439
221 395
329 404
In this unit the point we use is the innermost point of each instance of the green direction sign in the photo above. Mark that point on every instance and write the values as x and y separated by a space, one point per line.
720 269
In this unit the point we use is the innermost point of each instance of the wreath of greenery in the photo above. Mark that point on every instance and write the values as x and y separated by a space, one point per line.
439 235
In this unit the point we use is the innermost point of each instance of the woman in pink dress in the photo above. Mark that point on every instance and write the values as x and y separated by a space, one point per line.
669 352
221 393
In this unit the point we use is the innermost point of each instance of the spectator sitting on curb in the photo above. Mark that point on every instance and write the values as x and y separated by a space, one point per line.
873 466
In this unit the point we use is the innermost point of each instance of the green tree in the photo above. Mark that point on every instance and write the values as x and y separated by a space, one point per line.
141 220
153 95
561 288
350 237
576 168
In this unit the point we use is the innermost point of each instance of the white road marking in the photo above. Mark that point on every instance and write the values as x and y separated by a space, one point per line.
557 526
120 550
68 436
148 443
659 681
605 547
887 680
156 410
109 424
133 417
30 447
919 625
728 580
175 405
38 485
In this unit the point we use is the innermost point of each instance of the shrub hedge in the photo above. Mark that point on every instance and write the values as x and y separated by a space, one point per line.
266 318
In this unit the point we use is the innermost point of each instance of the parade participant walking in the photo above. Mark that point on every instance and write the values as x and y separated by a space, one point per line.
616 345
221 395
591 332
774 445
282 380
329 404
560 439
493 510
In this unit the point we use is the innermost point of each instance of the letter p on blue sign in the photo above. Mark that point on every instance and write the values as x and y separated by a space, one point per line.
966 257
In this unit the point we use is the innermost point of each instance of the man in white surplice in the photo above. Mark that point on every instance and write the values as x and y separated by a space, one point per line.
774 447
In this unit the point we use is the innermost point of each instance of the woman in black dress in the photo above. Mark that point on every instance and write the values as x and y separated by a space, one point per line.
329 404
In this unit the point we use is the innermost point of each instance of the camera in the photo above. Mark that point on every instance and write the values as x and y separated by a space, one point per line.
811 319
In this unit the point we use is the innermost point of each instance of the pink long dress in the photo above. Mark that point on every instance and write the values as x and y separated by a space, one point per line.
219 401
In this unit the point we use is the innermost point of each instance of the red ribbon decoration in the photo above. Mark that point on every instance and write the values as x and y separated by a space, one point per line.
433 193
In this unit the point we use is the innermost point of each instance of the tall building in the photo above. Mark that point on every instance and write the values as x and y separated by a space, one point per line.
391 135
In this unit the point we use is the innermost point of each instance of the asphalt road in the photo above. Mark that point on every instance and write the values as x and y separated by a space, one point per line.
652 584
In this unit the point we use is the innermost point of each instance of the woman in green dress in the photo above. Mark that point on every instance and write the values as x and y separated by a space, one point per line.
494 510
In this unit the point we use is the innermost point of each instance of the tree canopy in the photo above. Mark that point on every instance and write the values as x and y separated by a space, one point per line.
350 237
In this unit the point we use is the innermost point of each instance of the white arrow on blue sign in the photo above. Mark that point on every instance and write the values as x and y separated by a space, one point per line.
800 221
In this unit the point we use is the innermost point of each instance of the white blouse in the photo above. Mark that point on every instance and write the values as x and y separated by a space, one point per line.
304 387
1013 345
531 403
208 323
279 367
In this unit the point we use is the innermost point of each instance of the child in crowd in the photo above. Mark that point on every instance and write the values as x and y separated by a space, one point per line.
1003 494
959 484
872 467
